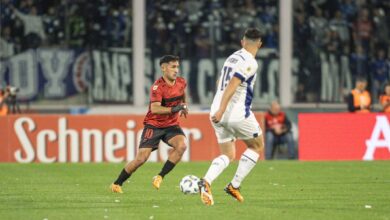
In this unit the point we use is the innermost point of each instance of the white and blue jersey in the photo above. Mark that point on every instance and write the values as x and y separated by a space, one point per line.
242 65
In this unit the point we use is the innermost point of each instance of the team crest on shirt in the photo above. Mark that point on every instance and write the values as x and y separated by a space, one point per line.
155 87
248 69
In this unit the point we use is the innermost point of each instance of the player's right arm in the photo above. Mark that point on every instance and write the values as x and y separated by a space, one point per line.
243 71
227 95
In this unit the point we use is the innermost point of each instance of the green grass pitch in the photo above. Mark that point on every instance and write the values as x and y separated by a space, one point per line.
273 190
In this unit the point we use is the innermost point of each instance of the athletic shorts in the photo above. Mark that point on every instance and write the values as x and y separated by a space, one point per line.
229 131
151 135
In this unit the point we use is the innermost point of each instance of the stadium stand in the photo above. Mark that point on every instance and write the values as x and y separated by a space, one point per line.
334 41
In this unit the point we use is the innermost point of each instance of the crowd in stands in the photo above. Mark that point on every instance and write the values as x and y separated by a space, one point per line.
173 26
355 32
209 28
358 30
29 24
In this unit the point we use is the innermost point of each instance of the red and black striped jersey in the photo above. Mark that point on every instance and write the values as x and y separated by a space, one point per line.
168 96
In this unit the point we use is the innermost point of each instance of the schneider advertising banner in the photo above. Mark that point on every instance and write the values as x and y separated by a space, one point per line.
96 138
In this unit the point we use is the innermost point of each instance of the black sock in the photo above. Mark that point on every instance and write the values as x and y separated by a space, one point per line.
123 176
168 166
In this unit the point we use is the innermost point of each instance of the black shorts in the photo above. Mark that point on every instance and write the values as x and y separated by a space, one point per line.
151 135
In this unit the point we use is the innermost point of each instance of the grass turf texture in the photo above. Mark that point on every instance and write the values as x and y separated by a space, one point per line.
274 190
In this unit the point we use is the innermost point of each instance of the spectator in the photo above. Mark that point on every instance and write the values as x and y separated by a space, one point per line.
202 42
278 131
34 31
115 26
301 34
7 47
272 38
341 26
359 100
77 28
318 25
333 41
380 73
54 27
384 99
381 27
359 63
363 29
349 9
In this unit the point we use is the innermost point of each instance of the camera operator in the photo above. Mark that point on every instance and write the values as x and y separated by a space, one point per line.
3 104
12 100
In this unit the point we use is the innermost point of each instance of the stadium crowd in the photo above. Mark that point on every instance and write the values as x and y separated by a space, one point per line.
208 28
29 24
334 30
356 32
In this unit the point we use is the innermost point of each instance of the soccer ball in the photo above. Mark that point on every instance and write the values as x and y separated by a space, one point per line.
189 184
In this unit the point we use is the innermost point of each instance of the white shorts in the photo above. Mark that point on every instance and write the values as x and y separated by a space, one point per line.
229 131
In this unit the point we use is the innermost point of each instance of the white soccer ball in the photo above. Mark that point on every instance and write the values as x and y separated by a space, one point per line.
189 184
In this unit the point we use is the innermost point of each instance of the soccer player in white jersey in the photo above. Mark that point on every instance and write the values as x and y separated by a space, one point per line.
232 118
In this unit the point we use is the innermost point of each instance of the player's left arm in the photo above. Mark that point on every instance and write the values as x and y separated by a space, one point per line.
227 95
158 109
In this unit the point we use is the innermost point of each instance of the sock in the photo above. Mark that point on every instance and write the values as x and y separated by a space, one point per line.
168 166
123 176
217 166
247 162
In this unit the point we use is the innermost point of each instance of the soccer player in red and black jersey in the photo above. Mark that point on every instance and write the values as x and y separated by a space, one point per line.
167 102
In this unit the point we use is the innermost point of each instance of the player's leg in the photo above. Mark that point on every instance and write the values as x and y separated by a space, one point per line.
249 131
247 161
219 164
141 157
175 137
179 146
149 141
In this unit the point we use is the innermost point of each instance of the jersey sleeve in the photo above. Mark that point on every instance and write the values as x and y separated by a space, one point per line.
244 70
155 93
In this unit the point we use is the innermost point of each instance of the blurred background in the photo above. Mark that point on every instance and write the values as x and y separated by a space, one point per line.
61 53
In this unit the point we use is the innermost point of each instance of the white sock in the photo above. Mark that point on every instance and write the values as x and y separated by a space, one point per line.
216 168
247 162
